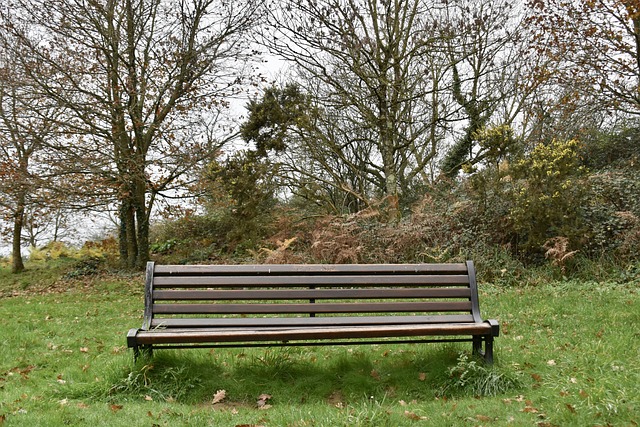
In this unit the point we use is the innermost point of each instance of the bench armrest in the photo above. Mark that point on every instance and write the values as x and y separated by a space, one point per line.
495 327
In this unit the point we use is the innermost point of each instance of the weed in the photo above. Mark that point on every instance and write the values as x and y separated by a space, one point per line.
471 376
151 381
370 412
86 267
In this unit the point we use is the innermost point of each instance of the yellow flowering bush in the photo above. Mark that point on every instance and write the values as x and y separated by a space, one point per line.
548 194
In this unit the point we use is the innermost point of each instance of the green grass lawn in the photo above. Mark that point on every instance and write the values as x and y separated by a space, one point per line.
568 355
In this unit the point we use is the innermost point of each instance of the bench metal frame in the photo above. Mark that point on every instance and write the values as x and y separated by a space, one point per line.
204 306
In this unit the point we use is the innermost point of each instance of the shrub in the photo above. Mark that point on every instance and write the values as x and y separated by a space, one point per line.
547 195
612 213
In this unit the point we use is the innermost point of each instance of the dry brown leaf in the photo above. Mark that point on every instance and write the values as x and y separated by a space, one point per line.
148 398
84 349
413 416
262 401
115 408
219 396
422 376
483 418
375 375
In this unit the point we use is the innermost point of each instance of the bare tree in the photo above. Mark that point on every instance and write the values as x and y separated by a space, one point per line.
593 49
27 127
492 72
365 61
140 81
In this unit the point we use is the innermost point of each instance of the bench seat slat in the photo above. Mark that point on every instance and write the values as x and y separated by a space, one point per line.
310 269
307 333
378 307
169 323
305 281
271 294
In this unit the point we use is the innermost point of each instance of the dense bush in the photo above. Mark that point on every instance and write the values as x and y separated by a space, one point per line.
521 216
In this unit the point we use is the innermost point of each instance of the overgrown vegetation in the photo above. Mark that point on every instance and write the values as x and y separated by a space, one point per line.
554 212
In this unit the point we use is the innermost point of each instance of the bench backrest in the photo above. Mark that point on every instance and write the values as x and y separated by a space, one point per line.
448 292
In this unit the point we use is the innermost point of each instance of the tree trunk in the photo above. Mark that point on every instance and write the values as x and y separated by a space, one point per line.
128 241
142 223
17 265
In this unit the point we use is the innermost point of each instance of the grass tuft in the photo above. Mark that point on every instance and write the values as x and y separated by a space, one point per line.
471 377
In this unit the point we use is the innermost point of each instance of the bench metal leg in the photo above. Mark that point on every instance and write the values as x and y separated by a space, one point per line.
477 346
488 350
145 351
487 353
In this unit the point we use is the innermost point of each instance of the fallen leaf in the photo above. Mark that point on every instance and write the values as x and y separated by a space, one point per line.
551 362
375 375
413 416
115 408
422 376
219 396
483 418
63 401
262 401
570 408
148 398
84 349
537 378
83 405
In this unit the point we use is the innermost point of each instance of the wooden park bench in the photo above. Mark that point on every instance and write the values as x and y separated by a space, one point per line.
195 306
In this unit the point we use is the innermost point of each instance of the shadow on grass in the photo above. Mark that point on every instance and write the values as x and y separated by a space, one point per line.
337 375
